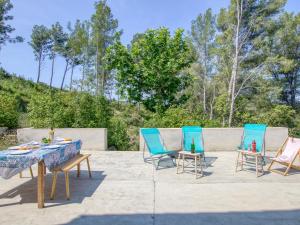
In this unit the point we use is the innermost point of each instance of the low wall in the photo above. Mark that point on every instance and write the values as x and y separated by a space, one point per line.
92 138
221 139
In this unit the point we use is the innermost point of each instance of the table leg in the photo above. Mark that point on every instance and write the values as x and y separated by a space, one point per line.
183 158
242 161
196 166
41 185
178 162
201 167
256 165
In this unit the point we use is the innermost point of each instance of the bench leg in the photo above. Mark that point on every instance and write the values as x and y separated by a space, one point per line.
67 185
31 173
53 185
89 168
78 170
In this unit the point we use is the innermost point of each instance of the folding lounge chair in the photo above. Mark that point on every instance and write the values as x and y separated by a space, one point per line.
252 132
287 155
155 145
190 133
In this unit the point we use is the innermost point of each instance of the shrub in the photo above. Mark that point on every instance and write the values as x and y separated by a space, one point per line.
8 111
178 117
117 135
280 115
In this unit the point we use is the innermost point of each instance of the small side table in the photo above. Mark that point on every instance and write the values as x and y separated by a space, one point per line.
182 155
258 161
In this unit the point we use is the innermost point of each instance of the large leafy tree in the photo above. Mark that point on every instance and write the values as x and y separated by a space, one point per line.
41 44
5 29
149 71
284 56
104 33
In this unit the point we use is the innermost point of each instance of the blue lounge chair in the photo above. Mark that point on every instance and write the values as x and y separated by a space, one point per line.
252 132
155 145
190 133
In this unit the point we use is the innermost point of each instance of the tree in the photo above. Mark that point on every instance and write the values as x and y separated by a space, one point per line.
104 33
5 29
149 71
58 39
246 22
284 54
203 32
40 43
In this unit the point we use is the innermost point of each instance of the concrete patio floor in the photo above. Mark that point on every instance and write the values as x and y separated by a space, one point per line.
125 190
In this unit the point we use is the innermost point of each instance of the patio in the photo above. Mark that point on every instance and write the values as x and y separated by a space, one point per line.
125 190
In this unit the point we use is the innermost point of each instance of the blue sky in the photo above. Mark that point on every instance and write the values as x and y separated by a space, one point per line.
133 15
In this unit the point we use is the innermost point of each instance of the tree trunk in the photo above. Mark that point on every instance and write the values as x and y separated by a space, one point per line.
235 63
211 114
83 76
64 76
39 67
71 80
293 90
97 68
52 70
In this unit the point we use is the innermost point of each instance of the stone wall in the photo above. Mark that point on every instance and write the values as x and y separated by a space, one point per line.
221 139
92 138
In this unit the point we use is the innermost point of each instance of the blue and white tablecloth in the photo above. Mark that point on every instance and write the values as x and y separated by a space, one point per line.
11 165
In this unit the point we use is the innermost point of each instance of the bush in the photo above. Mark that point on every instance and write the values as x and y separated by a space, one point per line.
117 135
280 115
69 109
178 117
8 111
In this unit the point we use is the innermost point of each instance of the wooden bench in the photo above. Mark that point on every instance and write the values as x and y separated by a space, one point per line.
65 168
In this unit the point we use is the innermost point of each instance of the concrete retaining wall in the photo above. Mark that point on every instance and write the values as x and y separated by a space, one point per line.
221 139
92 138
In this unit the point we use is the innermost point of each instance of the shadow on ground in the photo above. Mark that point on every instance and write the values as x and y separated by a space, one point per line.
80 188
289 217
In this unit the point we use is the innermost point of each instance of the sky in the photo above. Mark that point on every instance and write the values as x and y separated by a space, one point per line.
134 16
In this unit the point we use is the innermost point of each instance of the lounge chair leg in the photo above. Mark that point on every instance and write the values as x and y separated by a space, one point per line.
242 161
67 185
20 174
269 168
237 161
31 173
256 165
89 168
54 178
287 169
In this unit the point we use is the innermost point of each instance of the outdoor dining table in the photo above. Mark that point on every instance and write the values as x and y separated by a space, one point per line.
12 163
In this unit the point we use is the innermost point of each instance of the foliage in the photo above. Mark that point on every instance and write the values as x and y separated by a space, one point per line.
118 136
280 116
8 111
104 33
5 29
68 109
178 117
40 43
149 71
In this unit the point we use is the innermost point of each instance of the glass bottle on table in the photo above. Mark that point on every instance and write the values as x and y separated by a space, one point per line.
51 135
193 146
